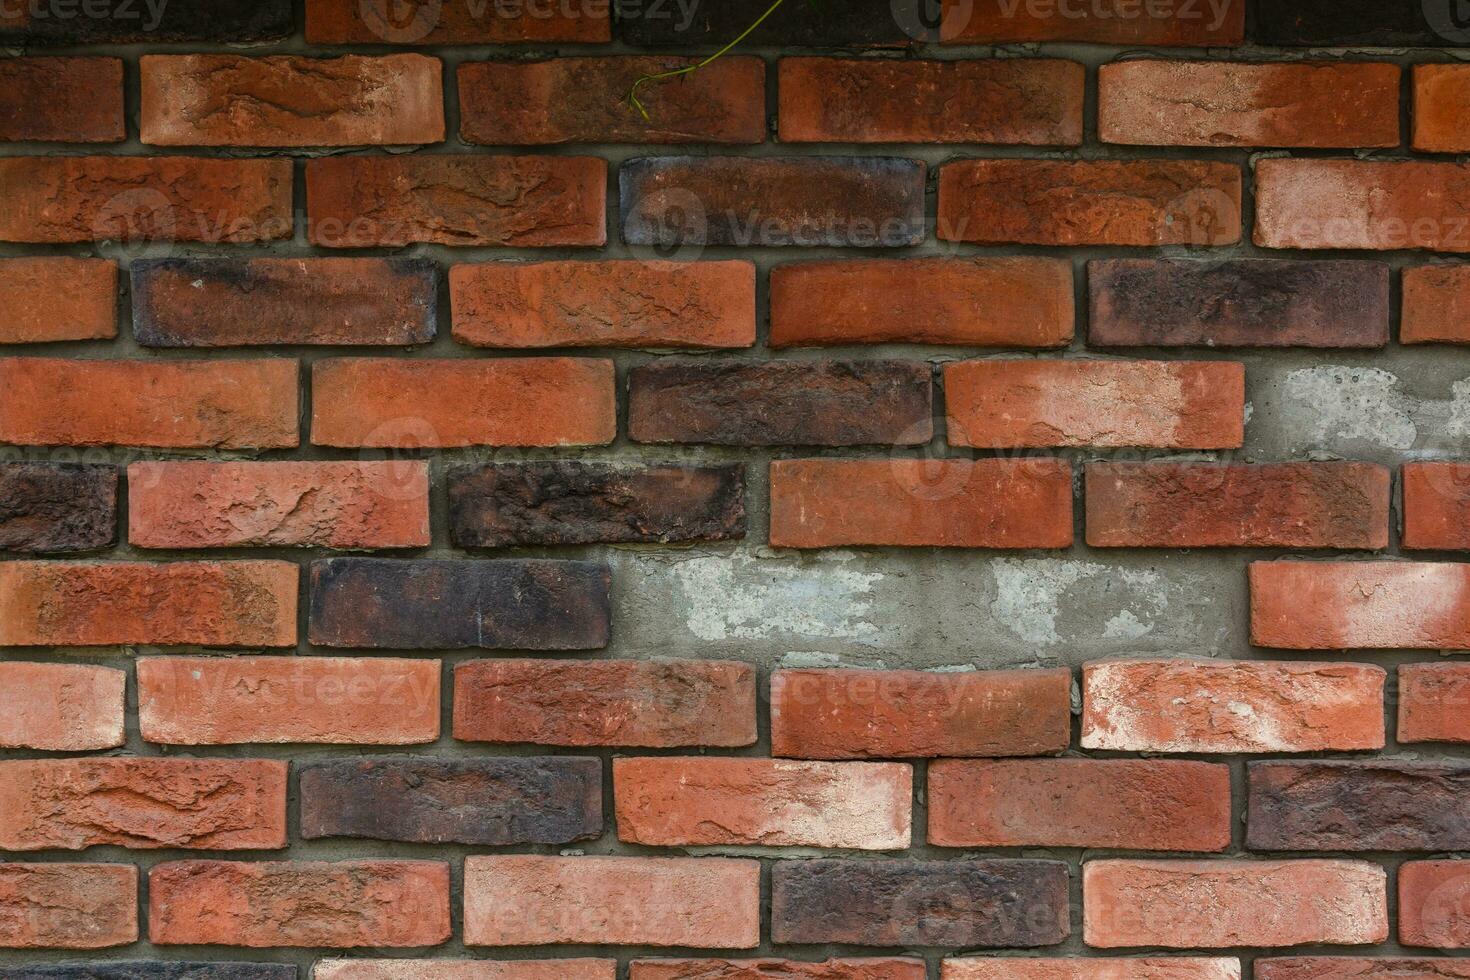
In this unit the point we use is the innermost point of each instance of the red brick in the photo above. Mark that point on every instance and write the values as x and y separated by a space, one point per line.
1212 103
1436 306
164 404
860 714
308 700
201 804
1433 897
525 900
380 402
438 969
1210 706
335 905
68 906
61 707
62 100
469 199
1437 506
585 100
764 969
326 505
1035 101
226 604
47 300
604 304
1359 968
286 100
1432 702
1441 107
976 302
55 200
1209 505
1131 804
353 22
990 503
673 802
1005 404
1111 22
1360 204
1360 605
1093 968
1091 202
646 704
1216 904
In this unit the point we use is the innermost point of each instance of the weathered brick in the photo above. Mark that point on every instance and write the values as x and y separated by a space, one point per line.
1343 23
1436 308
1361 204
525 900
440 969
1131 804
1238 303
334 905
1360 605
52 299
1034 101
68 906
1091 202
1213 103
1432 896
61 100
615 303
1113 22
854 202
1007 404
866 968
1441 103
800 25
776 403
1358 806
328 700
1231 706
544 401
429 604
56 200
585 100
225 604
573 502
61 707
56 508
1432 702
291 101
643 704
268 504
354 22
466 199
472 801
1018 301
199 804
1093 968
127 21
1364 968
1436 506
162 404
1225 903
1223 505
920 903
252 302
859 714
152 970
990 503
683 802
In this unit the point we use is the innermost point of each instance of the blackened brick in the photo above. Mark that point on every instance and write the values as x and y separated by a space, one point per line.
1336 23
56 508
150 971
858 23
121 21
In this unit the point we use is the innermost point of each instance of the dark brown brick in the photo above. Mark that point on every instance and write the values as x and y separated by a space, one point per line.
572 502
150 971
438 801
1358 806
1360 968
57 508
1339 23
868 23
852 202
426 605
776 403
121 21
1238 303
62 100
920 903
431 22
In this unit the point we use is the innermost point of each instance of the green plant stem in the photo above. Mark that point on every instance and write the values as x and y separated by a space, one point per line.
688 69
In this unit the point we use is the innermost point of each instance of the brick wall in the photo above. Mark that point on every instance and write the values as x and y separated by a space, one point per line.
974 497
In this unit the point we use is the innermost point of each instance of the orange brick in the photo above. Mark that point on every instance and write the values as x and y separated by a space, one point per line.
1432 897
1437 506
439 969
1441 108
243 603
47 300
381 402
352 22
1360 968
62 100
991 503
68 906
61 707
1432 702
1360 605
1092 968
1359 204
765 968
1112 22
1004 404
1436 306
163 404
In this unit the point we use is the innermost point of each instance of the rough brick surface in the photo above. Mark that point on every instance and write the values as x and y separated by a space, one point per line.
1436 506
1359 968
1338 204
1113 23
660 704
62 100
649 304
1432 904
1094 968
1432 702
1441 101
1359 605
68 906
352 22
55 508
866 968
1130 804
153 970
1436 305
443 969
61 707
48 300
